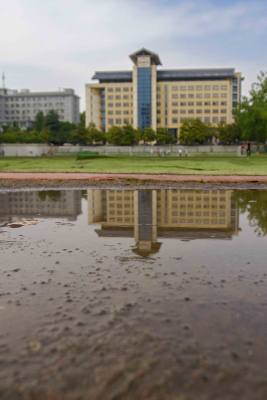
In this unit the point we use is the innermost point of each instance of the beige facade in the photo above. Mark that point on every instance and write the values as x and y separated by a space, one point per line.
149 96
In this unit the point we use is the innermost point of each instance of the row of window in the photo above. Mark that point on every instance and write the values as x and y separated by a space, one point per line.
111 105
197 103
198 111
118 112
207 120
118 97
199 96
36 105
31 99
119 89
119 121
199 87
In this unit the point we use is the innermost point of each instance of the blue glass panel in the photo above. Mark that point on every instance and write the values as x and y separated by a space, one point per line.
144 89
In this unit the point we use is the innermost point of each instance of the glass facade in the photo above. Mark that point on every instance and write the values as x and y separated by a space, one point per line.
144 97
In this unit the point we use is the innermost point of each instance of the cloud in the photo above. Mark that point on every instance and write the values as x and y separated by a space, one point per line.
63 41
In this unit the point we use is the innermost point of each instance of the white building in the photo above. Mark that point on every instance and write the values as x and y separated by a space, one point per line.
21 107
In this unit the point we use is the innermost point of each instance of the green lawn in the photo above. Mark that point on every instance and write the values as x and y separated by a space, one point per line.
212 165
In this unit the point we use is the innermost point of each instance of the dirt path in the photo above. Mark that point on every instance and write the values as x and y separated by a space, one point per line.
95 177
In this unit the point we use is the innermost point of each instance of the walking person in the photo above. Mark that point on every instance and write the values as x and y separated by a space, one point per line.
248 149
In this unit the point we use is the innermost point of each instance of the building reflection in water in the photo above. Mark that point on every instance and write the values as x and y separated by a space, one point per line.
148 215
46 204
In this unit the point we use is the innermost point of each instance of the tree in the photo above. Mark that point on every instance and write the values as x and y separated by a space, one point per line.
95 135
59 132
254 203
129 136
114 135
229 133
52 122
125 136
194 131
82 119
251 116
39 121
80 136
163 136
147 135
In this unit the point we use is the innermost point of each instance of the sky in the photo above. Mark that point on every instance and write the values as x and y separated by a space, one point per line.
52 44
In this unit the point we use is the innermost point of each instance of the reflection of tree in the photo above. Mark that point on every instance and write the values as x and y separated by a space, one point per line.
53 195
254 202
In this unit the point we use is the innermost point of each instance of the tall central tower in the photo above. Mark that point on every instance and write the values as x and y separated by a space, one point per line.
145 88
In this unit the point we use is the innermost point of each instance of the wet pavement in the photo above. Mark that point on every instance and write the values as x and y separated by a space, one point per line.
133 294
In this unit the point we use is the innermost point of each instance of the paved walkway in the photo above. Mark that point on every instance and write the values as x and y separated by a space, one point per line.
95 177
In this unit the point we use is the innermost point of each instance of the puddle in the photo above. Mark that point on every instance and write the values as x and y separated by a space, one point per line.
133 294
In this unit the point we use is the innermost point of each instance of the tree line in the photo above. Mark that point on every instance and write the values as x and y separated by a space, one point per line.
250 124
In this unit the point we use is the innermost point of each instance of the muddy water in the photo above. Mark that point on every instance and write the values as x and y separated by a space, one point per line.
149 294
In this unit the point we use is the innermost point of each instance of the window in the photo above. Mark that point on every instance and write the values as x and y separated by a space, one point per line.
174 120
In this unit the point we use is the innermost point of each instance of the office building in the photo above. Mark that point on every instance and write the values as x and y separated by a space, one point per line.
21 107
149 96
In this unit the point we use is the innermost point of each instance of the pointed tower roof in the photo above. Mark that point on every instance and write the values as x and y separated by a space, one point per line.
145 52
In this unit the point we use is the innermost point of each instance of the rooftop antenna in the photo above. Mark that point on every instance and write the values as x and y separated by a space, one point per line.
3 80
